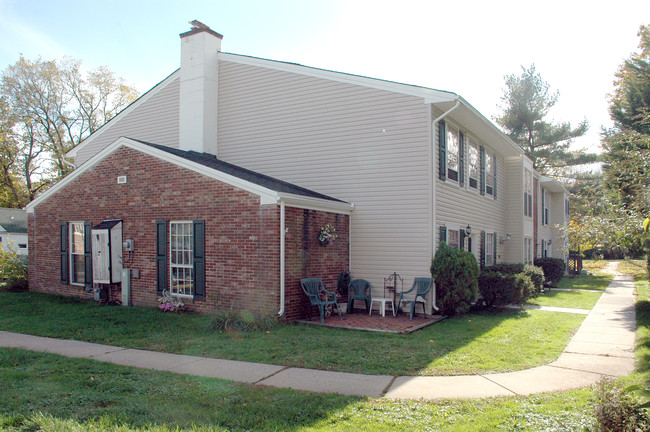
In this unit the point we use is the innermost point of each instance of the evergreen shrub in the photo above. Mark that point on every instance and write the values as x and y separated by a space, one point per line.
499 289
13 270
554 268
455 273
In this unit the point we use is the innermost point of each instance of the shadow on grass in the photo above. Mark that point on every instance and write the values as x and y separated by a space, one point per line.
478 342
84 390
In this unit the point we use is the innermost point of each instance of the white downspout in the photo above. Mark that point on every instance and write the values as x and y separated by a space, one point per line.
282 244
434 126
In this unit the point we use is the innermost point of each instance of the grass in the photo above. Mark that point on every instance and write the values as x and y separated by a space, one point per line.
48 392
52 393
480 342
567 299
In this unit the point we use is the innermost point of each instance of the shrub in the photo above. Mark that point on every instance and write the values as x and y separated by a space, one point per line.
456 276
616 411
13 270
554 268
536 275
498 289
228 320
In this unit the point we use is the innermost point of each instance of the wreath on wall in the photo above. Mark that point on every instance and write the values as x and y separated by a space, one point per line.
327 235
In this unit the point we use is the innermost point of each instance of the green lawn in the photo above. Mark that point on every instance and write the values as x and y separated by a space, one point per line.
52 393
567 299
480 342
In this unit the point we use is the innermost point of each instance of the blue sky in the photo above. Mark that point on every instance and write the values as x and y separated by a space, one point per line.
462 46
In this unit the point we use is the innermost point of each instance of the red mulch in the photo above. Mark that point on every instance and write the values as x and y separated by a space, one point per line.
360 320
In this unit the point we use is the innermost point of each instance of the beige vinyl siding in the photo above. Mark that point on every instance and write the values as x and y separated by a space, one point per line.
365 146
156 121
462 205
514 248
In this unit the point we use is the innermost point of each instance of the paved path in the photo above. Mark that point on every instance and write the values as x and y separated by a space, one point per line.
602 346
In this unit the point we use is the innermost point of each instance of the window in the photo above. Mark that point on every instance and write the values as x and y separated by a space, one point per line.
453 238
453 153
490 173
77 257
545 209
181 258
528 250
528 193
22 245
473 163
489 249
566 208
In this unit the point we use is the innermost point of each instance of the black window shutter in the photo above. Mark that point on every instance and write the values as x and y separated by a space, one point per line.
443 234
65 267
442 150
162 281
461 159
462 239
482 251
199 259
482 180
494 179
495 247
88 255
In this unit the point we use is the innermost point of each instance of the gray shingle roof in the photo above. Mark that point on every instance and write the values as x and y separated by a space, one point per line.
13 220
213 162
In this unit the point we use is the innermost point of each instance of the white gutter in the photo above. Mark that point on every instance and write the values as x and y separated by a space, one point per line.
433 175
282 265
70 164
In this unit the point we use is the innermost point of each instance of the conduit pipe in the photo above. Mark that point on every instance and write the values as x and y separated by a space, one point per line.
434 127
282 265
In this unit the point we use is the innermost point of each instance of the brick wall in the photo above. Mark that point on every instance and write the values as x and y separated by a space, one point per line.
242 237
305 257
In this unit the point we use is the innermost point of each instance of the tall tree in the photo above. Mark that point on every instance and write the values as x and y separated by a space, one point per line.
630 102
54 106
527 99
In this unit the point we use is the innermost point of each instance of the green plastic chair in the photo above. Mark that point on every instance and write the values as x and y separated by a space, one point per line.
421 286
319 296
359 289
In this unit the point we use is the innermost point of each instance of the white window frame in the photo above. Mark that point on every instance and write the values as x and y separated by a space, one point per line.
453 232
528 250
490 259
181 259
528 193
490 176
473 145
453 134
72 254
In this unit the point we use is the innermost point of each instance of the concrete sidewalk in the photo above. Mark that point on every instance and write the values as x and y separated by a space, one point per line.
602 346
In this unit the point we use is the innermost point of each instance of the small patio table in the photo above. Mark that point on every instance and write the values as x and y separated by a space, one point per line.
382 301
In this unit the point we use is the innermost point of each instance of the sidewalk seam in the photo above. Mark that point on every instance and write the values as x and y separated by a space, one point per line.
273 374
514 393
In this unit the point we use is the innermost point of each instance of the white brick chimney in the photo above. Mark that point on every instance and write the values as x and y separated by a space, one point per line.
199 89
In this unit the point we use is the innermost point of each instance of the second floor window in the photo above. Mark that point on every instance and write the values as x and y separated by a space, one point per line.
474 164
528 193
453 153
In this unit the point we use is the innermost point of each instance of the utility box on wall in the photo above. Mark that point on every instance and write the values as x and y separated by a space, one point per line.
107 252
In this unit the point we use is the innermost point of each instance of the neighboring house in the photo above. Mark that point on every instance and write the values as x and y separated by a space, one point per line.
13 230
394 168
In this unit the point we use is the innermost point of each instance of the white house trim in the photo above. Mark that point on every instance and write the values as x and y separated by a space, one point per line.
267 196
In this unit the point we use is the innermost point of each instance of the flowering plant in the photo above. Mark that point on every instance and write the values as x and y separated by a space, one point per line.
327 235
169 303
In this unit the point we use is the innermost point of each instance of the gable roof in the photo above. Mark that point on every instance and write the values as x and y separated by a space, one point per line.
269 189
441 98
13 220
213 162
